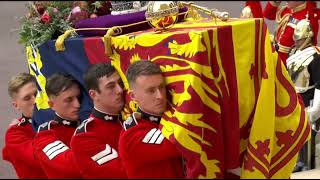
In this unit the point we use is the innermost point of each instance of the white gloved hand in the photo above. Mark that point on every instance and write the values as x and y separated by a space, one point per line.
246 13
314 110
312 115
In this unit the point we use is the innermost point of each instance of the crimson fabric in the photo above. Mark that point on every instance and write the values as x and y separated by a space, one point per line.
314 18
63 165
143 160
87 144
18 150
256 8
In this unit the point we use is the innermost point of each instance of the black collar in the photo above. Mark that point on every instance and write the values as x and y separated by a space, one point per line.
25 120
149 117
65 121
104 116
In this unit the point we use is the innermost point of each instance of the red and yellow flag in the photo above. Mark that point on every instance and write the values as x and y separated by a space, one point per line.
233 106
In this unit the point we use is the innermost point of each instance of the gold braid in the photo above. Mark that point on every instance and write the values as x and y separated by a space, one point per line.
282 21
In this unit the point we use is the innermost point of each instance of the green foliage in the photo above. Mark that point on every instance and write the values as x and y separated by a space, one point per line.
35 31
47 20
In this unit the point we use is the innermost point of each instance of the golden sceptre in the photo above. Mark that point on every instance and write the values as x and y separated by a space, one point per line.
213 13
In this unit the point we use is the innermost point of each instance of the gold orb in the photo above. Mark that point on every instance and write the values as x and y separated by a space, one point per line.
162 15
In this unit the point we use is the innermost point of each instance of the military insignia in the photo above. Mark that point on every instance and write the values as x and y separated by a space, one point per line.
107 117
29 121
104 116
83 126
148 116
54 149
130 122
154 136
155 119
64 122
106 155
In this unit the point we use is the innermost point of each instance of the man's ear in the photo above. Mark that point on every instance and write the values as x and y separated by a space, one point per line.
51 103
15 104
132 95
92 93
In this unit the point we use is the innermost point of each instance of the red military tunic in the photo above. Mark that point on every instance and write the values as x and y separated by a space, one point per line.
286 19
95 146
18 150
145 152
51 147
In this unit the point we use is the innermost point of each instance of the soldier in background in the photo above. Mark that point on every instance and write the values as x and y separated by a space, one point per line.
18 149
252 9
286 18
304 68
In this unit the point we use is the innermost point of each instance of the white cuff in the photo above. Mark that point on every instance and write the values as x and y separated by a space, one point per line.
314 108
316 99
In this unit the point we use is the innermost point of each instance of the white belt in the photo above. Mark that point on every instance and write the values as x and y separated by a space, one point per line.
304 89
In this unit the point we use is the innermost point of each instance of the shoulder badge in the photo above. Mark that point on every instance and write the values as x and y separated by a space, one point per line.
130 122
105 155
83 126
55 148
45 126
154 136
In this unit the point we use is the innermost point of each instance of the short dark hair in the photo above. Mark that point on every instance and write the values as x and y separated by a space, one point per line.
58 83
142 67
16 82
96 71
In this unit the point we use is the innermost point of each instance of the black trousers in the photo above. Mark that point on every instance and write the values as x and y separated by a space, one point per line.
307 154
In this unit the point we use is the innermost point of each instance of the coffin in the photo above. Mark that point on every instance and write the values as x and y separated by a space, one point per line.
233 108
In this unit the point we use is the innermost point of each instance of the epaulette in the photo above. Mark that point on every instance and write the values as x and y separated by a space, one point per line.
83 126
45 126
130 122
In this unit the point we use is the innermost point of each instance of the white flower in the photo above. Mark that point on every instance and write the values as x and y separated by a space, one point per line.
76 10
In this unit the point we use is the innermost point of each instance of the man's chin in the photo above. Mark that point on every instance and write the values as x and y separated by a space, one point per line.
75 118
162 111
28 114
121 106
159 113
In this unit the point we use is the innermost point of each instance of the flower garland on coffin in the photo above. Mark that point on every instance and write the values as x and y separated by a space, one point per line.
47 20
128 15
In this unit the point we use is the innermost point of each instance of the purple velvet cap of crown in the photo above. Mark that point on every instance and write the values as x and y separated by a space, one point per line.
107 21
